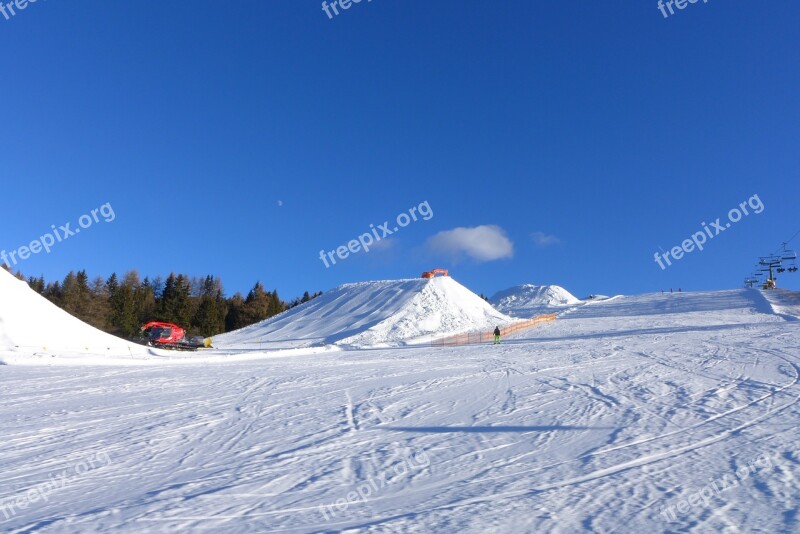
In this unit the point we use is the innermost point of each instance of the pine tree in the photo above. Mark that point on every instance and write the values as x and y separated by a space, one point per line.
175 305
235 318
84 297
257 304
275 305
99 314
68 299
209 319
158 287
145 301
37 284
112 285
169 297
124 317
53 293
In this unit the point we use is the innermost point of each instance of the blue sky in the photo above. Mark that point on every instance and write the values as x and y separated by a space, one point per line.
569 140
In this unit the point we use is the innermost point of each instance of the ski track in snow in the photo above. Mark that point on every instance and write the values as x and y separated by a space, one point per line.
596 423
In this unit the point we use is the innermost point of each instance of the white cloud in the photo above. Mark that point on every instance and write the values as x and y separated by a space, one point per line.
384 244
544 240
482 243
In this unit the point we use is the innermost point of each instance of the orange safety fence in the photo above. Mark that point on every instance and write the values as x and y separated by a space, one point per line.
482 337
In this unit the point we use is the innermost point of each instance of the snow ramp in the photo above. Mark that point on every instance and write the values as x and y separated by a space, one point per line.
382 313
34 329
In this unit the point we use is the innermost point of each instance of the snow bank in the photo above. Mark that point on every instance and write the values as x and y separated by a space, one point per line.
32 326
784 302
529 299
390 312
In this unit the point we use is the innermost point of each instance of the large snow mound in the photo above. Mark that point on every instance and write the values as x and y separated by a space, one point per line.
390 312
30 324
520 300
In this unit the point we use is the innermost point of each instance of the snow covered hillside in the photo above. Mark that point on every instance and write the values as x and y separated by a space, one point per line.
651 413
784 302
529 300
32 325
372 313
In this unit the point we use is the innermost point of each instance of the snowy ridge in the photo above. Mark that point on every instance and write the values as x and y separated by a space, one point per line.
529 299
32 325
389 312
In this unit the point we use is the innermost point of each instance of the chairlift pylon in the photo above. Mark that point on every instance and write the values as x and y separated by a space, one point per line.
783 261
751 281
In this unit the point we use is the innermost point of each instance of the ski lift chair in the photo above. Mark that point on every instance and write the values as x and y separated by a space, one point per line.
789 256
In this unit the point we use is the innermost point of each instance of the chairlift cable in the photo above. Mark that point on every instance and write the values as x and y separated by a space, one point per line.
784 243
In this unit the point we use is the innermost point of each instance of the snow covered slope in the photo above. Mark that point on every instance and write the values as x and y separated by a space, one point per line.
32 325
371 313
650 413
528 299
784 302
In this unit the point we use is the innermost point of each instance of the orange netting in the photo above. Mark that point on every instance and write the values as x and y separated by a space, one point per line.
481 337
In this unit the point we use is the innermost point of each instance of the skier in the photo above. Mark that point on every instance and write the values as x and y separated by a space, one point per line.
497 335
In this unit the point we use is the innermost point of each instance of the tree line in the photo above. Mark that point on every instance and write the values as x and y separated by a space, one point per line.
121 306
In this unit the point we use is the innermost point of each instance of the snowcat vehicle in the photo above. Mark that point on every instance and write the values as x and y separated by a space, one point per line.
170 336
431 274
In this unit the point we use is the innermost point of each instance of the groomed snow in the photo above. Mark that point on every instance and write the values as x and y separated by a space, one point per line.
650 413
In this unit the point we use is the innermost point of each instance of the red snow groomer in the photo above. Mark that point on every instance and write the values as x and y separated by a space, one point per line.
433 273
170 336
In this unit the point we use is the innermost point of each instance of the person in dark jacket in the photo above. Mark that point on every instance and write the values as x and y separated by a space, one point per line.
497 335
